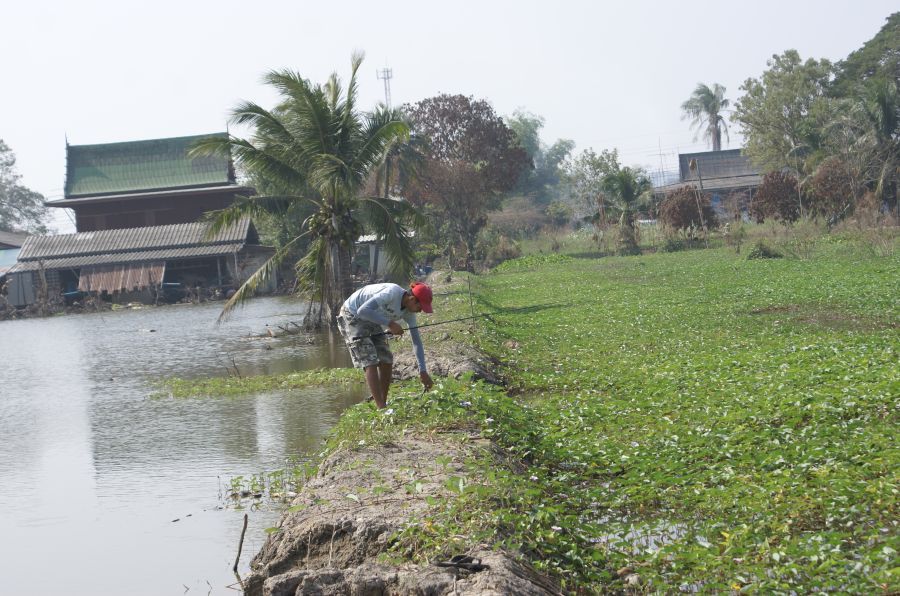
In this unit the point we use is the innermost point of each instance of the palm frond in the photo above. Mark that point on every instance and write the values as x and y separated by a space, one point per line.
312 270
379 137
262 276
391 220
309 105
267 125
244 207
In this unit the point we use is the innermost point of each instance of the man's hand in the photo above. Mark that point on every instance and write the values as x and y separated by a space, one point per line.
395 329
426 380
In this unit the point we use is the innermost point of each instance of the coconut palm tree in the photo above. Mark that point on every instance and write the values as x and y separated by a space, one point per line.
317 149
881 112
404 159
627 188
705 106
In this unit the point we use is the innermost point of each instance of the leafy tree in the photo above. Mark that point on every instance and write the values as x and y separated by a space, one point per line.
21 209
585 175
549 168
877 58
471 159
776 198
705 108
783 114
542 180
527 128
316 149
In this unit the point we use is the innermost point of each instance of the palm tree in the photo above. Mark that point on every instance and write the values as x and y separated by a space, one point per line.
881 112
627 188
404 159
318 150
706 106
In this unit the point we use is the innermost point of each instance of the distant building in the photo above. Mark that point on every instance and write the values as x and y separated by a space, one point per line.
138 184
718 173
136 206
136 264
10 243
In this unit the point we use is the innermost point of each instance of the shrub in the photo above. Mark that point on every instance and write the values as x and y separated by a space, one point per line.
519 217
734 234
559 212
678 210
831 189
673 244
494 247
761 250
776 198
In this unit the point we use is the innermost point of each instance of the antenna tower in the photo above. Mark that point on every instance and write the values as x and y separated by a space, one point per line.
386 74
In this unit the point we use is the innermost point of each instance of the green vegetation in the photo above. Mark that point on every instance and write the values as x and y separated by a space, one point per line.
232 386
21 209
691 420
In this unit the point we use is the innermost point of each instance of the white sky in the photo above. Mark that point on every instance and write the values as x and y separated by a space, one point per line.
604 74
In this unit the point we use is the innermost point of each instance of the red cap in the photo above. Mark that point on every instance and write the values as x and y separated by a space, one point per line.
423 294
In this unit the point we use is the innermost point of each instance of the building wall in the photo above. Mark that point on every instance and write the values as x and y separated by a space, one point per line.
247 262
151 211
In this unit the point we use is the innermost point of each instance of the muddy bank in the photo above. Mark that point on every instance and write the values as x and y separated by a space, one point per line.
337 536
345 519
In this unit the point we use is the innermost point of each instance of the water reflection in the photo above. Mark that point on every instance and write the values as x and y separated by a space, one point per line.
94 470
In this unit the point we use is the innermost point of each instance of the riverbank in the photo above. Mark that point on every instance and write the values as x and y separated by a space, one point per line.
341 534
695 420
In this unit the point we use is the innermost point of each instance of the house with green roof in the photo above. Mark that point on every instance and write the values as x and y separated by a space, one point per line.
137 184
137 206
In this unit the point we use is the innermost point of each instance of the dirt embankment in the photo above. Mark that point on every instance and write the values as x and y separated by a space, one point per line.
359 499
336 538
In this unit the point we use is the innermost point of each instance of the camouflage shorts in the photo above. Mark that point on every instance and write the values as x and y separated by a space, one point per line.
365 350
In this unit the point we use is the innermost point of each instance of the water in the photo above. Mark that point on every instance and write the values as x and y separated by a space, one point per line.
93 470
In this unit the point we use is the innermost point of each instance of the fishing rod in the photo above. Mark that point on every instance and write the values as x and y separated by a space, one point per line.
478 316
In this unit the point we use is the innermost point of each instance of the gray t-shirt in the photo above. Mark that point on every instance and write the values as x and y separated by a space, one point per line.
381 304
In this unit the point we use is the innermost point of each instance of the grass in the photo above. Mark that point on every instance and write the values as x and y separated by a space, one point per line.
690 421
687 421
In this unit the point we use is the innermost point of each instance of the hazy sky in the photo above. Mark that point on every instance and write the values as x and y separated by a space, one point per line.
604 74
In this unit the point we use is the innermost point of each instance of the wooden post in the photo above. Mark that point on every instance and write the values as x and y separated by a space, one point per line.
240 545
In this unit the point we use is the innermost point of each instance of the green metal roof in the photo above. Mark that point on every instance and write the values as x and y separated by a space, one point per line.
157 164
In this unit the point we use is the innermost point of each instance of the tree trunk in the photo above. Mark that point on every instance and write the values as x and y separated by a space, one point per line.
339 282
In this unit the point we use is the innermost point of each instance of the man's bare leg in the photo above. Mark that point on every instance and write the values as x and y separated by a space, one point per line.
385 372
375 386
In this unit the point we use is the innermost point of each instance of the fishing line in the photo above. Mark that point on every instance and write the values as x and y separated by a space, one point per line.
478 316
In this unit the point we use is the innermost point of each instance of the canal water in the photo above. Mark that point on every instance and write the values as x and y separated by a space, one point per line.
95 468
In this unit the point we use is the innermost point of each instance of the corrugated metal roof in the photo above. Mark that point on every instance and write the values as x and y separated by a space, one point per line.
132 166
718 184
128 257
110 242
192 192
12 239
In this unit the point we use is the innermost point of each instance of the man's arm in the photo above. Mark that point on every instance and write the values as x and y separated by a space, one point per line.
418 347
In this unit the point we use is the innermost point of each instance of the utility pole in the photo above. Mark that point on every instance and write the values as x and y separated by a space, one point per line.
695 165
386 74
